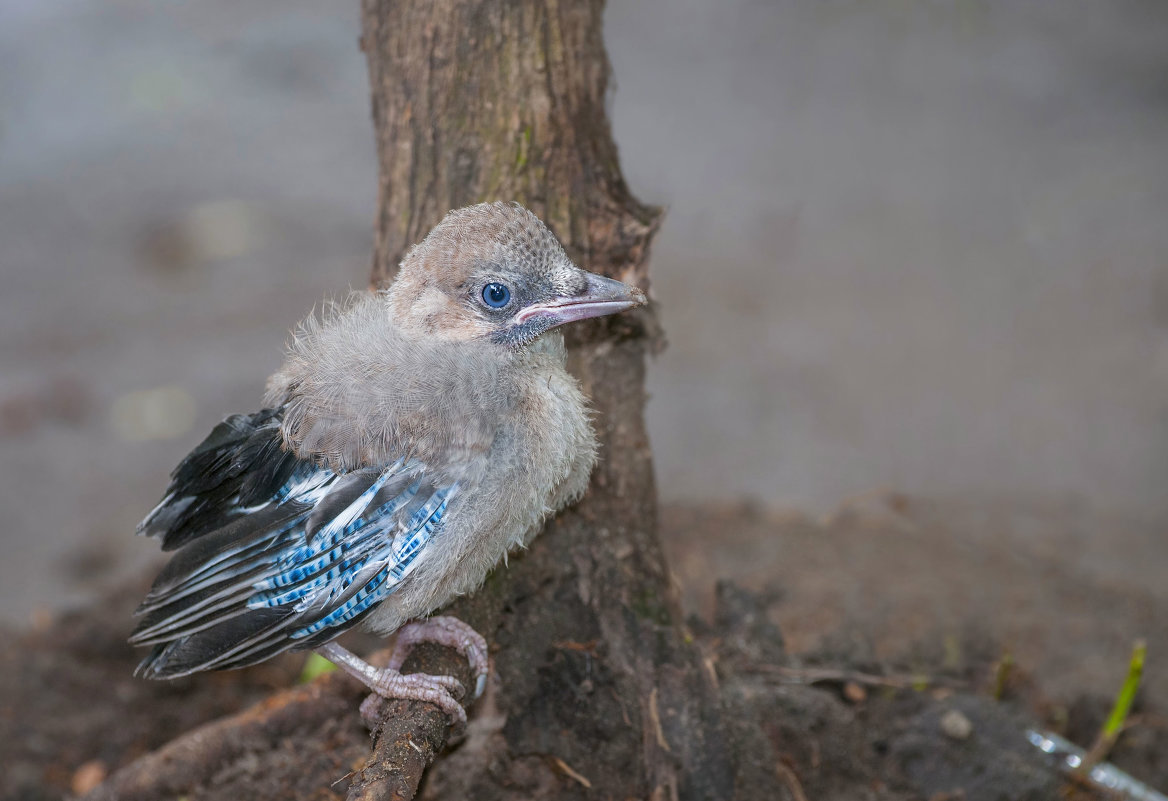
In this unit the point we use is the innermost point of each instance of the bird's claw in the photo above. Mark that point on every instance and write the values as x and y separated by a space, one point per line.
448 631
442 691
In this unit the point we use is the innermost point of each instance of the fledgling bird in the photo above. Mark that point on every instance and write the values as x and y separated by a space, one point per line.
409 440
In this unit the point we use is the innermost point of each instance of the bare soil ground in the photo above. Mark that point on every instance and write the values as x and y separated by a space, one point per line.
888 586
891 583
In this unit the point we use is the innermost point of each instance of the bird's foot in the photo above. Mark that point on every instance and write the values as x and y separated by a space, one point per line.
437 690
387 682
448 631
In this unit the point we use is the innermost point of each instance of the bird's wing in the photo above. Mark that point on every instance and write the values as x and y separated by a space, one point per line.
273 552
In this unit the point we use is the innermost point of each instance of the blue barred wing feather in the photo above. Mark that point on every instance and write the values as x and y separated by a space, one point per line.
276 553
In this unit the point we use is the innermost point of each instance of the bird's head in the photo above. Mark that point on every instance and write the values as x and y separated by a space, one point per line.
494 272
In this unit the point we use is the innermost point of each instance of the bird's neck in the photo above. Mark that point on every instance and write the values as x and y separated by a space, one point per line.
546 352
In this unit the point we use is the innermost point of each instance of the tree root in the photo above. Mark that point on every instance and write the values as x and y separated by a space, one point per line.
405 742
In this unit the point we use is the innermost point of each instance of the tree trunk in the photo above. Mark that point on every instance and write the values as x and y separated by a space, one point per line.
593 683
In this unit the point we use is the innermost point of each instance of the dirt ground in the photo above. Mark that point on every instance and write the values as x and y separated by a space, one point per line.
829 594
908 577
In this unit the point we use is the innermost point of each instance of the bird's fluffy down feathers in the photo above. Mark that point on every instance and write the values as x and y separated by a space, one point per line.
355 391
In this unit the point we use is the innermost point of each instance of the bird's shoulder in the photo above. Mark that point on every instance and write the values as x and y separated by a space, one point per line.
356 390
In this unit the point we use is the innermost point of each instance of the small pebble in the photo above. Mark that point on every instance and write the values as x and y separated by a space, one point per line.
88 776
955 725
855 693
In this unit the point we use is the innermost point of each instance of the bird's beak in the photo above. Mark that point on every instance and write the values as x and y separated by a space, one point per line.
601 296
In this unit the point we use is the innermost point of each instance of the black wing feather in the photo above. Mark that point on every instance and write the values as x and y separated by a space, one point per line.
241 463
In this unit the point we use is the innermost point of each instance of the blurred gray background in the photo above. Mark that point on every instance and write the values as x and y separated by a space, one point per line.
911 245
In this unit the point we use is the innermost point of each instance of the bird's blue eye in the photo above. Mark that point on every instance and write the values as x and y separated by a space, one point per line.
496 295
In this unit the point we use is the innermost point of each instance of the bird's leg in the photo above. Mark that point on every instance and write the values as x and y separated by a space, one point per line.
448 631
389 683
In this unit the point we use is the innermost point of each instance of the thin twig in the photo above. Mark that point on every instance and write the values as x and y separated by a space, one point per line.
813 675
568 771
788 777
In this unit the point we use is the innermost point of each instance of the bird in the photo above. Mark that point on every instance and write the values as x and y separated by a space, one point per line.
412 437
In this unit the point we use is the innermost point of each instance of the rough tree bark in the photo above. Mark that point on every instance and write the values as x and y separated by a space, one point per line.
594 684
